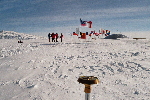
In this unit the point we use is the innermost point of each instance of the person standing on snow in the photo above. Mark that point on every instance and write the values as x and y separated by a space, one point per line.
53 37
61 36
56 37
49 36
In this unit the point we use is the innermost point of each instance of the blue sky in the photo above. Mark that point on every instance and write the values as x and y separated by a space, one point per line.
39 17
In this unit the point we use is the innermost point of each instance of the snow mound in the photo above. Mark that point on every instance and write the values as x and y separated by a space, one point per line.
15 35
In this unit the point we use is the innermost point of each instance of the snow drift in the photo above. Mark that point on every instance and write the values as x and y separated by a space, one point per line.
39 70
15 35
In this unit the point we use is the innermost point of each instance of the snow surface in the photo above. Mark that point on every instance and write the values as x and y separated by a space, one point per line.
39 70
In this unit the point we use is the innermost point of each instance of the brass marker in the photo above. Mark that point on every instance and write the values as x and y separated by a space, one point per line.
88 81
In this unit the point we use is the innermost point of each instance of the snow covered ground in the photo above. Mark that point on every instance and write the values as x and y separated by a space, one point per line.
39 70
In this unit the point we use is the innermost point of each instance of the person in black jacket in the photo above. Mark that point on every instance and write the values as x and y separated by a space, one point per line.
49 36
61 36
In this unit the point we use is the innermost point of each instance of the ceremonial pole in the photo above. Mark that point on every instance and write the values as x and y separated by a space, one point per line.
88 81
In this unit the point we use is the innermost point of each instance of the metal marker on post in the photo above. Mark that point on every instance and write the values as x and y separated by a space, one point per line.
88 81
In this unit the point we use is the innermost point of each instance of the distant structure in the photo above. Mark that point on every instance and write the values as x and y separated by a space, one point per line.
115 36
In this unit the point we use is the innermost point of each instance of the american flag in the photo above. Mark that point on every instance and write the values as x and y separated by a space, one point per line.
86 23
83 23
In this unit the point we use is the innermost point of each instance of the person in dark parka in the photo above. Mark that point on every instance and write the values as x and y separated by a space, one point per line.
61 36
49 36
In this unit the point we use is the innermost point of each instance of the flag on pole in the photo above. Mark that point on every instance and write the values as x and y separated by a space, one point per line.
108 32
86 23
75 33
83 23
89 24
96 33
92 32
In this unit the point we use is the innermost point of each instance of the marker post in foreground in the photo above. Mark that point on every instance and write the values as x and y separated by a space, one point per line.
88 81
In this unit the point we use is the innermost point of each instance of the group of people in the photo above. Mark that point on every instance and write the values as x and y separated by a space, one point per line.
54 37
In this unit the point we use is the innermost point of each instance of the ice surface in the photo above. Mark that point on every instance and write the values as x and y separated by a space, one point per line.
39 70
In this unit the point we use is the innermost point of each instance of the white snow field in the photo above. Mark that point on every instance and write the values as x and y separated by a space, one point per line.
39 70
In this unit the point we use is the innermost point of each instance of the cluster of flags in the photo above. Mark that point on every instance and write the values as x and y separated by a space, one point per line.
106 32
89 25
103 32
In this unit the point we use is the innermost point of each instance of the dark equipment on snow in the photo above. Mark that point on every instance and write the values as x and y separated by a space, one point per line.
115 36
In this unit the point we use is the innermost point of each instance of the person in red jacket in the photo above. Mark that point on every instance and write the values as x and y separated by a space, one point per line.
53 37
56 37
